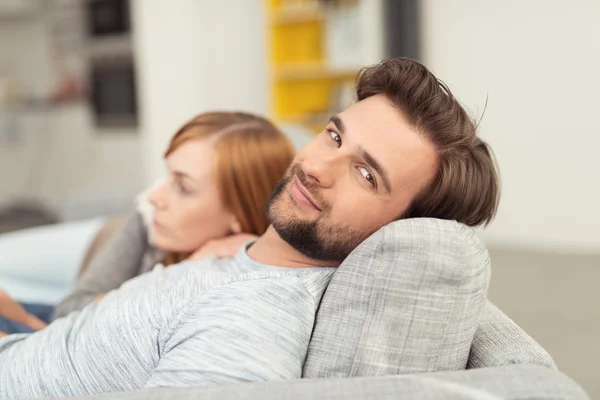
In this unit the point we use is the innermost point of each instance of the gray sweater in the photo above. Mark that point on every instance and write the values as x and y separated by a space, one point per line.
197 323
127 255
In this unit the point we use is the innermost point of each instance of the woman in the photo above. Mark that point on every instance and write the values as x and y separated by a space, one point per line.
223 167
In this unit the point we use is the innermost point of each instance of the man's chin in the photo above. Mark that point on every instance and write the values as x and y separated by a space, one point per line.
289 214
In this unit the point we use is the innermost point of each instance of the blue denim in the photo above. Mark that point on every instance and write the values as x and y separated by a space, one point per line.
42 311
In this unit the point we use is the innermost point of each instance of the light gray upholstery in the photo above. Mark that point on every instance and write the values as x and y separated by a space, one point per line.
500 341
511 382
407 300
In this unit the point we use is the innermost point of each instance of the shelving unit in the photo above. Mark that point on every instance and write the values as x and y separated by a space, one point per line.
304 84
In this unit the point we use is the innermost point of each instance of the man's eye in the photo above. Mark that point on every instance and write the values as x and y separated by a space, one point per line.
336 137
367 175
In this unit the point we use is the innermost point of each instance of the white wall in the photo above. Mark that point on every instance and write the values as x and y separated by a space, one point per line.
60 159
539 62
194 56
25 54
56 155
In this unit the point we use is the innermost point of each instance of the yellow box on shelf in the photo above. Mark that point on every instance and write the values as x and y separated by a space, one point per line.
311 70
301 97
297 43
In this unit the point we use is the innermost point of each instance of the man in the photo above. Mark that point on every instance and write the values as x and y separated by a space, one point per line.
405 149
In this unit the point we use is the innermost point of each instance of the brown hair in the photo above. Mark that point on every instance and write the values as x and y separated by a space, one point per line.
466 186
251 157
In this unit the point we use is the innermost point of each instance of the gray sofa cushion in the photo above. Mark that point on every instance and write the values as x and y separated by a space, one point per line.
407 300
500 341
515 382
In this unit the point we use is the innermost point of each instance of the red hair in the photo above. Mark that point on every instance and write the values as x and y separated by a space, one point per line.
251 157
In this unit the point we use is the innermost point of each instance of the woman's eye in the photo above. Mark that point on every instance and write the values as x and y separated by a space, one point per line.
337 138
367 175
182 189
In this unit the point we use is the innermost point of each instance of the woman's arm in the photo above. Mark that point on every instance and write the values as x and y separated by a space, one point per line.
119 261
12 310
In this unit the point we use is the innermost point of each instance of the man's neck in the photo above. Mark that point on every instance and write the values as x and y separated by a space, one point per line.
271 249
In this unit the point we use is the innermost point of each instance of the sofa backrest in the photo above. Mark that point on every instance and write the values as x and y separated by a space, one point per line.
407 300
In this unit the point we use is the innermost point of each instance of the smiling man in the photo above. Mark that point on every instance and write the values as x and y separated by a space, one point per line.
405 149
358 175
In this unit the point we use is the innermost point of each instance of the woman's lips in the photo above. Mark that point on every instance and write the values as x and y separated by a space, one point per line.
156 224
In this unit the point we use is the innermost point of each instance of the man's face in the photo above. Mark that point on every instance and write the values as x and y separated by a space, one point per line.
359 174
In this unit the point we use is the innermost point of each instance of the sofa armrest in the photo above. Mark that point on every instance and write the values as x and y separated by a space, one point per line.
509 382
500 341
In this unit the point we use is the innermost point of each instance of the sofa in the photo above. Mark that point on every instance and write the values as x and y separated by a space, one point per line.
372 339
406 316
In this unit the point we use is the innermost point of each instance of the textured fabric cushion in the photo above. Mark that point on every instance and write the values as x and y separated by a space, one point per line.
515 382
407 300
500 341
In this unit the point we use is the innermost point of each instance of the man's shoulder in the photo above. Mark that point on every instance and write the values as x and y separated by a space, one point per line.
280 289
204 275
247 299
191 280
197 275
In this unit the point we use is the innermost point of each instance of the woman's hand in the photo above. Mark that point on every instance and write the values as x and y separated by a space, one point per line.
12 310
224 247
2 334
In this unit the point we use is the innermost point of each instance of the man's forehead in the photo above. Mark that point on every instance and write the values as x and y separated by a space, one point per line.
373 108
375 125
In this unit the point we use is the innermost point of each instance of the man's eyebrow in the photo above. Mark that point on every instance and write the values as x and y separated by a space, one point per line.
373 163
337 121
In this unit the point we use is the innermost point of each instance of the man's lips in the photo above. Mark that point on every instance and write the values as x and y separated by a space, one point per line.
301 194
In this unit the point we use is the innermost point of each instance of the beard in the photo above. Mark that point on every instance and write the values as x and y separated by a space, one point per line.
319 239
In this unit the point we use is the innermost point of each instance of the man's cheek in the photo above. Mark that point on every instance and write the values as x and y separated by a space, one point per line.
359 218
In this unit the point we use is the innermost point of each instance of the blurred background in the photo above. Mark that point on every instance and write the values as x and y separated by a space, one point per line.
91 92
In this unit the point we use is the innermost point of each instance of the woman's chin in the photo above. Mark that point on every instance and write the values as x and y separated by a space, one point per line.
162 243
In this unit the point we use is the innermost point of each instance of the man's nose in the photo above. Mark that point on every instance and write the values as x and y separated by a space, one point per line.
321 169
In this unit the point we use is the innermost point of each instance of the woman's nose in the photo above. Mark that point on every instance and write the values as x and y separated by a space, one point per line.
156 198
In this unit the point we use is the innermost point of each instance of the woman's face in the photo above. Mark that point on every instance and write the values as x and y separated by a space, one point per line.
188 210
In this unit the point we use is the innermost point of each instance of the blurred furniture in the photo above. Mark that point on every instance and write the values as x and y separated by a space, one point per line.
23 215
38 265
